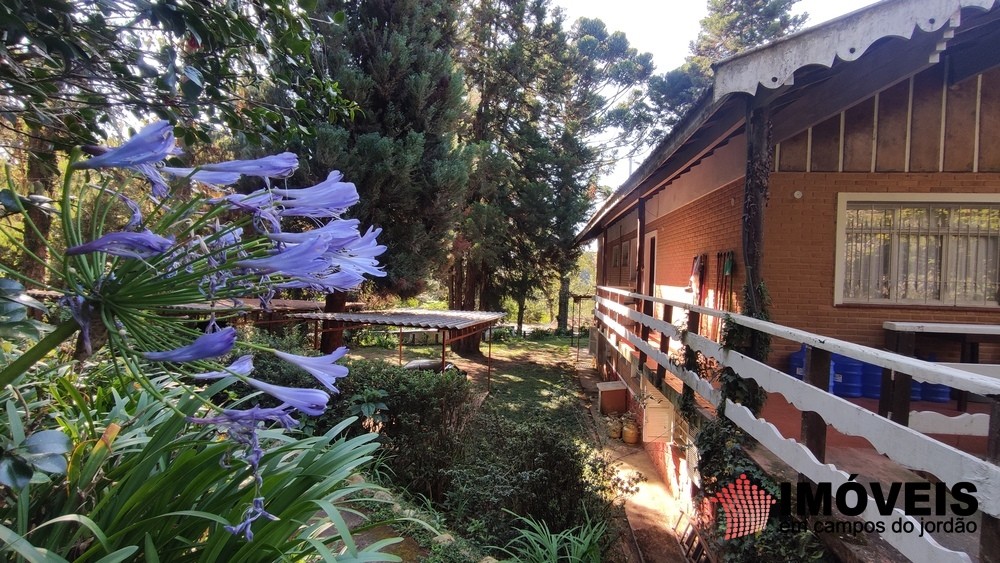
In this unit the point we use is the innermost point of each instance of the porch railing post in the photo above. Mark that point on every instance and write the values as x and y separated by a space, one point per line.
661 370
646 308
989 533
813 426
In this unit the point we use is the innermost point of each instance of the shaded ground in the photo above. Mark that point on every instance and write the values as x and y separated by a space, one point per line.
550 380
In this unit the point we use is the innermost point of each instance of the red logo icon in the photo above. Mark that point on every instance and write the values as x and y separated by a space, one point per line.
746 507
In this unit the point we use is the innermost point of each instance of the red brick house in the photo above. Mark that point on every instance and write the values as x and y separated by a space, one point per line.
854 169
883 192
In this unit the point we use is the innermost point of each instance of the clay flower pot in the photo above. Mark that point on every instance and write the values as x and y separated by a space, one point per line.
630 432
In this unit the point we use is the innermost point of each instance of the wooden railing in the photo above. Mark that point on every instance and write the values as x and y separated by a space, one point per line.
625 321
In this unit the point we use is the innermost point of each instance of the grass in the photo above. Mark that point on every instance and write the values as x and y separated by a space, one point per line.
536 381
531 380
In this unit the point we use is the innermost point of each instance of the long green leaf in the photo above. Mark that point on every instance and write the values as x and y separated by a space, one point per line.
122 554
23 547
84 521
150 551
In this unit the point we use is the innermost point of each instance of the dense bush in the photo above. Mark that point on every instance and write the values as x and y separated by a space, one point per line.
502 334
421 428
372 338
527 469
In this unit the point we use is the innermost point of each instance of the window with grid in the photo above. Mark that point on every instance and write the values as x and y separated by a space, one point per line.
930 253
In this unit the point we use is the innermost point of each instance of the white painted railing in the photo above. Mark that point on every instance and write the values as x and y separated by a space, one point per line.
907 446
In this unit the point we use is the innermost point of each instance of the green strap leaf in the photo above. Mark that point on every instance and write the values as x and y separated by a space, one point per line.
19 545
122 554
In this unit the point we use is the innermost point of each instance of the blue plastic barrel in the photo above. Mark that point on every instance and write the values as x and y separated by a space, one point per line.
916 390
846 376
871 380
935 393
797 363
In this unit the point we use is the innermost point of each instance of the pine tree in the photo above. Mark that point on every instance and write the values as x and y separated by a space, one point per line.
730 27
541 94
401 150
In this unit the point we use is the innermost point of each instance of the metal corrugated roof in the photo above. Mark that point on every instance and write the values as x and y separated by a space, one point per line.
422 318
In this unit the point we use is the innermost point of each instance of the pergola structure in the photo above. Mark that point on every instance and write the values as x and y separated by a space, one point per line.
453 325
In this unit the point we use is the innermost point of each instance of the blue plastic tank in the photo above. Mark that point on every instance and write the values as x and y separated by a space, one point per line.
846 376
871 381
797 363
935 393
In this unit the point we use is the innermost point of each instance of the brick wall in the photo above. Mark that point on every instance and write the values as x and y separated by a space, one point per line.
799 254
707 225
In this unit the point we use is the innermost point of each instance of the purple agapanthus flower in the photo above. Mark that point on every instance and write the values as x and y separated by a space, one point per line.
329 198
83 311
135 218
359 255
274 166
300 259
320 367
242 366
310 401
127 245
210 345
343 280
253 513
160 188
241 427
225 238
338 231
151 144
203 176
230 418
261 203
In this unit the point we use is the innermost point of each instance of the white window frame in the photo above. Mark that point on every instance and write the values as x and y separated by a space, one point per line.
843 198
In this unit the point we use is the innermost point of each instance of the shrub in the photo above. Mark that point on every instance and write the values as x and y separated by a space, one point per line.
538 544
539 334
503 334
142 484
371 338
421 426
528 469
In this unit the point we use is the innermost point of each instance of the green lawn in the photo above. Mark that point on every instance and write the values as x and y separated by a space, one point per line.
531 380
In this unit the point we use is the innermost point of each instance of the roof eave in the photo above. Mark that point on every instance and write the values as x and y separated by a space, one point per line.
773 66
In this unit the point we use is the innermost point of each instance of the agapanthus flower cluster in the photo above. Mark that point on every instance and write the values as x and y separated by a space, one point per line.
212 252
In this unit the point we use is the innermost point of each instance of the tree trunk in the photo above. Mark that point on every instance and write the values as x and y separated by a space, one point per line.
467 302
41 178
470 286
521 298
754 201
455 291
755 196
489 299
336 302
562 317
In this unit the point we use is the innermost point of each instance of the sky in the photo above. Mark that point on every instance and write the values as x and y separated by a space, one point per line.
666 27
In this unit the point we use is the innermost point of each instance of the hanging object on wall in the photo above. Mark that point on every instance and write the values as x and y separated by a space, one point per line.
697 269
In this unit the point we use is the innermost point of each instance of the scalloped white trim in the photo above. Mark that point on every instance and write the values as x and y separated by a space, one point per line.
846 38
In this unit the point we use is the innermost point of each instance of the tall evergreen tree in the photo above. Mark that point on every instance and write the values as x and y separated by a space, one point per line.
540 93
730 27
394 58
